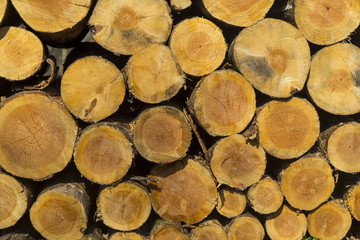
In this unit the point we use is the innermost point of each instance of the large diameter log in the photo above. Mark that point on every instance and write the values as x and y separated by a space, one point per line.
37 135
209 230
168 230
153 74
124 207
231 202
245 227
352 200
22 53
334 80
57 21
331 221
307 182
223 102
183 191
198 45
60 212
162 134
274 56
100 95
127 26
103 153
237 163
326 22
288 129
126 236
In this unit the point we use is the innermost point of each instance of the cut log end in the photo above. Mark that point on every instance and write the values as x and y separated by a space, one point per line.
209 230
166 231
231 202
245 227
126 236
352 200
179 5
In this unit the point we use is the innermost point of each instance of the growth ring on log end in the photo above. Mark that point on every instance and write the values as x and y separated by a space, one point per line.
168 230
231 202
209 230
245 227
352 200
126 236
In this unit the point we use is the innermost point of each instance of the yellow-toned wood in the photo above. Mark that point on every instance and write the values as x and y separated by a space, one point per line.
288 129
14 200
265 197
352 200
103 153
286 224
198 45
331 221
209 230
37 135
124 207
92 88
126 236
307 182
325 22
168 231
223 102
242 13
60 212
127 26
22 53
183 191
4 4
273 56
178 5
153 74
245 227
162 134
237 163
334 80
231 202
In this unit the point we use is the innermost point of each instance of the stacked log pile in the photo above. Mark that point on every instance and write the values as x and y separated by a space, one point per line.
179 119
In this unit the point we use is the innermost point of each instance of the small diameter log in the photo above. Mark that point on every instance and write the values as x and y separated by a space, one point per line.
22 53
179 5
4 4
231 202
209 230
37 135
334 80
56 21
274 56
168 231
198 45
241 13
286 224
127 26
103 153
307 182
126 236
153 74
100 95
237 163
14 200
288 129
223 102
124 207
183 191
265 197
352 200
326 22
60 212
331 221
162 134
245 227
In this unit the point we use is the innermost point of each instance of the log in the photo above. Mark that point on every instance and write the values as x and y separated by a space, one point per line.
168 230
4 4
60 211
50 21
153 74
103 153
237 163
22 53
334 80
238 13
231 202
198 45
162 134
127 26
326 22
14 200
273 56
126 236
307 182
124 207
179 5
209 230
102 94
265 197
37 135
289 128
96 234
352 197
223 103
330 221
286 224
245 227
182 191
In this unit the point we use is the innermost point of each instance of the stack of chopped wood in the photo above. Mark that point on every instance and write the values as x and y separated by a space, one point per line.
179 119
